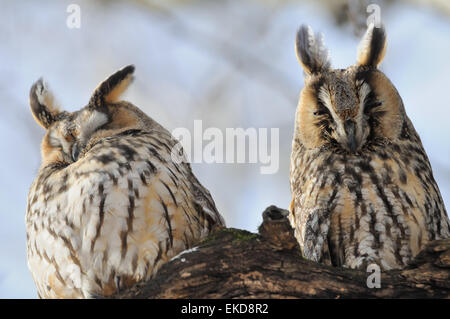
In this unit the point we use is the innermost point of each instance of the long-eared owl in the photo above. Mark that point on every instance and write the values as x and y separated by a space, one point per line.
362 186
111 202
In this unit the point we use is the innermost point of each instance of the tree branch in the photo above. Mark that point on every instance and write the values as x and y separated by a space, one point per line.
235 263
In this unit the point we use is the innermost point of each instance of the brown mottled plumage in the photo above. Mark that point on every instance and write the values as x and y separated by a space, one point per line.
109 205
362 186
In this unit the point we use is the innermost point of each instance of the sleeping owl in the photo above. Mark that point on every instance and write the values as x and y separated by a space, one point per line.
109 205
362 187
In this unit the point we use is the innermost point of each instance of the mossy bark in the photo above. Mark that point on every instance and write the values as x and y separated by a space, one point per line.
234 263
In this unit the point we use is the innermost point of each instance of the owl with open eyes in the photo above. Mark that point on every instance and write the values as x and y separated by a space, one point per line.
114 198
362 187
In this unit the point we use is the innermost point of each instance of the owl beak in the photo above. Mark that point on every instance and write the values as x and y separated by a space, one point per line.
350 130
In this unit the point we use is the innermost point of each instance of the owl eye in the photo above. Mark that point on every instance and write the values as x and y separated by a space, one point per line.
373 105
75 152
321 110
371 102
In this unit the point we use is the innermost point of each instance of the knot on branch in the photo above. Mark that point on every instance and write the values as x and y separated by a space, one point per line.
277 230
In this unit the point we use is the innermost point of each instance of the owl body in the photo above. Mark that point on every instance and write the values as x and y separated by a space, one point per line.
111 215
362 185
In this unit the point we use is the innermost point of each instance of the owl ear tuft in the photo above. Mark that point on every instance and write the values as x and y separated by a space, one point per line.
372 48
110 90
42 103
311 51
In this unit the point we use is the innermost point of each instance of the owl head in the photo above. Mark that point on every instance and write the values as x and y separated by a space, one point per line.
346 109
69 135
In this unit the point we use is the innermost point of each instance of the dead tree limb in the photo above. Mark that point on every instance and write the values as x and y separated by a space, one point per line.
235 263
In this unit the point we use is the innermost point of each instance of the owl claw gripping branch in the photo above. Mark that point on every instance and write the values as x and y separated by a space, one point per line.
362 186
109 206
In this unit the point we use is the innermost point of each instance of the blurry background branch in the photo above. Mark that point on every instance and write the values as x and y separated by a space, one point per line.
353 12
241 58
